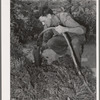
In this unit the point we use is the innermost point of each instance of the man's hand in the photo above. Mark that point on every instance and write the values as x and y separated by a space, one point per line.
60 29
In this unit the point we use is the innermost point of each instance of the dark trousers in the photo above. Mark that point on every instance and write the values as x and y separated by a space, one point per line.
60 46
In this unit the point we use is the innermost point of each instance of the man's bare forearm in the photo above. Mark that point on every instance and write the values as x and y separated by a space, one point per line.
77 30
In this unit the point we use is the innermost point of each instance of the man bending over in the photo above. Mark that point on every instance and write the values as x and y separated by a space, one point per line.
63 23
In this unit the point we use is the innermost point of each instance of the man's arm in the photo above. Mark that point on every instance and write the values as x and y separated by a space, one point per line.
77 30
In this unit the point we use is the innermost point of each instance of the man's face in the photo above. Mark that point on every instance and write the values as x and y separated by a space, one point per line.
46 20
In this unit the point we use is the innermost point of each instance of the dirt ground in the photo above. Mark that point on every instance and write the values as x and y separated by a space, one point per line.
88 56
56 76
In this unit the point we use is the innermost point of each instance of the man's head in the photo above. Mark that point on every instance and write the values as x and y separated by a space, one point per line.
46 15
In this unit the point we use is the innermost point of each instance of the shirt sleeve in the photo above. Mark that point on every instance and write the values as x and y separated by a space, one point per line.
67 20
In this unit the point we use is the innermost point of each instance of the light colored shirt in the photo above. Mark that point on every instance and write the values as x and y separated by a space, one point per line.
64 19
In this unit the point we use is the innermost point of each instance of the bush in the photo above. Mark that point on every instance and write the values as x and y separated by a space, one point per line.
85 13
24 22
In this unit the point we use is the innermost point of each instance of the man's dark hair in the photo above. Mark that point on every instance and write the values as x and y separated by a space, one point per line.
45 11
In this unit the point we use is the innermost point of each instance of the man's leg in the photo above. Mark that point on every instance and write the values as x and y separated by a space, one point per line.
58 44
77 47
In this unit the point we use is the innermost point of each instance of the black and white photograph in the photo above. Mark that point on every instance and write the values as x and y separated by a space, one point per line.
53 49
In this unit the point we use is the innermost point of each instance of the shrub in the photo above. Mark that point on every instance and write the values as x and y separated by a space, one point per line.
24 22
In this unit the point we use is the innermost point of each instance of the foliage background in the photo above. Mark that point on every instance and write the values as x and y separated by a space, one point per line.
31 83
